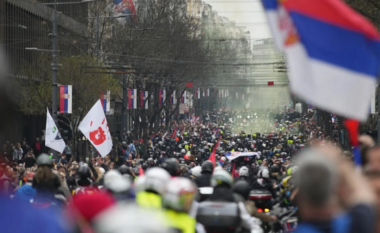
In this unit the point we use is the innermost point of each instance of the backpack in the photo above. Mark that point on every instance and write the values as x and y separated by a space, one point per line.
339 225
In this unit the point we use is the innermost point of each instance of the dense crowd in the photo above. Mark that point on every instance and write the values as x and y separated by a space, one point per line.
241 171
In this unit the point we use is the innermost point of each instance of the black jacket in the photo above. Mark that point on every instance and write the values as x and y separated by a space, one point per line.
204 180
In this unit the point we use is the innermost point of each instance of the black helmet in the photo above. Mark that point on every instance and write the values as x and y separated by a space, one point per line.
84 172
208 166
124 170
44 160
274 169
171 166
242 188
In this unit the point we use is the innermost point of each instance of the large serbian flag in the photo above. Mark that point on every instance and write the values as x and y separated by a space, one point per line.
144 100
333 53
173 98
183 98
66 99
132 98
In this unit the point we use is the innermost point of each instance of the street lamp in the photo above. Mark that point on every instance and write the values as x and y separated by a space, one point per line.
54 65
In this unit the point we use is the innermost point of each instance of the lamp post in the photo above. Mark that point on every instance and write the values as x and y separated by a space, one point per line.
54 65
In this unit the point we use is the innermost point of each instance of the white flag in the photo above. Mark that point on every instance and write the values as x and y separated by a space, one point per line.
94 126
53 138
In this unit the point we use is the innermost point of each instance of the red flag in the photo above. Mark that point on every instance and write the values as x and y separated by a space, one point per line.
233 171
189 84
353 131
141 171
212 156
271 83
175 132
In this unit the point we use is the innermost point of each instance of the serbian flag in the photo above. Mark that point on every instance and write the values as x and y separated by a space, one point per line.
183 98
173 98
105 100
333 53
226 93
124 7
144 100
208 92
66 99
161 97
132 99
197 94
203 93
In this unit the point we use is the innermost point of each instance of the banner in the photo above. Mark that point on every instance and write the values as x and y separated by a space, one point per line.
161 97
233 155
144 99
203 92
53 138
66 99
105 99
173 98
95 128
208 92
132 98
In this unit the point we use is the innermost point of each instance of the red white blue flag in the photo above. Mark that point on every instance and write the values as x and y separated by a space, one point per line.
144 100
333 53
197 93
161 97
173 98
66 99
132 98
183 98
105 100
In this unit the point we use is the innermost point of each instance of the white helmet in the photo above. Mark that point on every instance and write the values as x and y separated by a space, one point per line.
263 173
233 143
115 182
221 176
196 171
243 171
179 194
183 151
156 179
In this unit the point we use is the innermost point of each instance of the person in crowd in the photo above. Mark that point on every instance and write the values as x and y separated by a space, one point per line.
29 160
26 192
18 153
327 183
37 147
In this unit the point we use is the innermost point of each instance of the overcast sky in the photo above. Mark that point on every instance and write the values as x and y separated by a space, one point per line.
248 13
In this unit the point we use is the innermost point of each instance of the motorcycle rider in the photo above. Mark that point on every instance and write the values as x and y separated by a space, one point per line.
177 201
242 189
150 187
205 179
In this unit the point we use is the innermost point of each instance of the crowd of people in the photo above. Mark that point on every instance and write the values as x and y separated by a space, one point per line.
228 171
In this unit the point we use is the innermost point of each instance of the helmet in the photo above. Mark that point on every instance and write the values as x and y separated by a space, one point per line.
243 171
84 172
208 166
263 173
274 169
183 151
115 182
155 180
242 187
221 176
196 171
179 194
124 170
233 143
171 166
44 160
